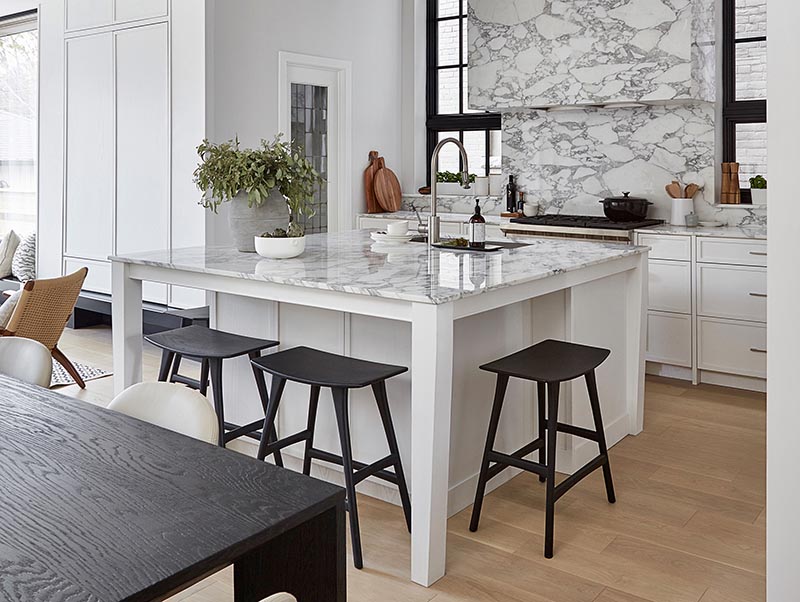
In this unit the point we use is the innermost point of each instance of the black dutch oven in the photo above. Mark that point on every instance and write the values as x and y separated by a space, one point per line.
625 208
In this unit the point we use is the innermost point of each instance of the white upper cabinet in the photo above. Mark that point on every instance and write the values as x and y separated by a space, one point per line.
89 187
85 14
537 53
143 152
134 10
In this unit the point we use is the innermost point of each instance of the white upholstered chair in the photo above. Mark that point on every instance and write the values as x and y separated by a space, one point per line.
26 360
170 406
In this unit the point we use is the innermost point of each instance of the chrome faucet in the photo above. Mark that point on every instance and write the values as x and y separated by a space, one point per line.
433 219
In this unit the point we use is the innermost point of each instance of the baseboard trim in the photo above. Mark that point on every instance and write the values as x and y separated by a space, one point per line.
734 381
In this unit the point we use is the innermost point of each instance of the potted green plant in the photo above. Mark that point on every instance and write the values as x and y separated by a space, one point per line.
269 188
448 182
758 190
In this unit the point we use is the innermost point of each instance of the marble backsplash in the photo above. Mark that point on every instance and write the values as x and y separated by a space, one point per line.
542 53
490 205
569 160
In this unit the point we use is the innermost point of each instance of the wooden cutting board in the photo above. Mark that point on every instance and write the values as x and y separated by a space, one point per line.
387 189
375 163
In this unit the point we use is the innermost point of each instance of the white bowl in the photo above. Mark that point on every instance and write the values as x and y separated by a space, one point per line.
397 228
280 248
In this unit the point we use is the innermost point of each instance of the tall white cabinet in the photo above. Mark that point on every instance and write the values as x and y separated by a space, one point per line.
121 189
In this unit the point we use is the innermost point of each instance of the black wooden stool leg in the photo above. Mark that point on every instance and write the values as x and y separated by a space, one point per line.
494 421
167 358
343 421
176 366
594 400
382 399
215 366
261 385
313 404
204 376
270 414
552 436
541 400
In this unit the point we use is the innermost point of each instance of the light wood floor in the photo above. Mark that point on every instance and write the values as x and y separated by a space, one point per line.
688 526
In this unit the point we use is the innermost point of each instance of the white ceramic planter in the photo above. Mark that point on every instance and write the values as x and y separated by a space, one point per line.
759 196
280 248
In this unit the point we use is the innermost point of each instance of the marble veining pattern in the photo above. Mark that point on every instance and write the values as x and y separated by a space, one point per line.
756 232
570 160
543 53
350 262
490 205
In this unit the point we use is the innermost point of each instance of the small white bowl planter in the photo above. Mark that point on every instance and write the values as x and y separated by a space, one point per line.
280 248
759 196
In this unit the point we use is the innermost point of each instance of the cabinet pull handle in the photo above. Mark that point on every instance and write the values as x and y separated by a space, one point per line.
759 253
757 350
760 295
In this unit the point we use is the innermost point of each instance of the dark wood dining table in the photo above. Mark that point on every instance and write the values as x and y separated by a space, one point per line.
98 506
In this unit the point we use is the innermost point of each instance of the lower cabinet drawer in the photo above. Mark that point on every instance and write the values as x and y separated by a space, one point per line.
669 338
735 292
733 347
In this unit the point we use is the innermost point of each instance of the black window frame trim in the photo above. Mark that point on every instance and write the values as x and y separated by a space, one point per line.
735 111
460 122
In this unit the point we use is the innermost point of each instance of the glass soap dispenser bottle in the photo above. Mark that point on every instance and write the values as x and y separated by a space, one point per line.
477 228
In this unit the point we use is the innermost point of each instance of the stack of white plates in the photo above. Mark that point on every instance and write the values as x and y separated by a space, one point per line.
384 238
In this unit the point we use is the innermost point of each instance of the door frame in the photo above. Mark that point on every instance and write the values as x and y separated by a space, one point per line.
342 72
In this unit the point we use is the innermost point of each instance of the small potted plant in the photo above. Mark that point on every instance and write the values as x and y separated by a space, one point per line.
758 190
269 189
448 182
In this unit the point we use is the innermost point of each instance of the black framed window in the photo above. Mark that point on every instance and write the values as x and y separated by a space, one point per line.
448 112
744 86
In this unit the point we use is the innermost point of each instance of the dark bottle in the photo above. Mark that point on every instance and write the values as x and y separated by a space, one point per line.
511 195
477 228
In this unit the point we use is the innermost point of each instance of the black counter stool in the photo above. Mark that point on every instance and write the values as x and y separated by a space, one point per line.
340 374
549 363
200 317
210 347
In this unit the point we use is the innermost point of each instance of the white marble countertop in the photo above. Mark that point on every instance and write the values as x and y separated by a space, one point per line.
351 262
755 232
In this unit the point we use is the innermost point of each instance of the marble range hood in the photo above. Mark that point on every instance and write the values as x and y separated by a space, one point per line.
526 54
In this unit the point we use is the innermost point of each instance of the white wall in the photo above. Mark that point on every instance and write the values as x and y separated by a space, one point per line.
783 403
247 36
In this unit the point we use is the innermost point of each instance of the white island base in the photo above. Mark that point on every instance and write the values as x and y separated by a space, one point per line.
441 406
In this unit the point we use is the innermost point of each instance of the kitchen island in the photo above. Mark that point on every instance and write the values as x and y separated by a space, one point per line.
440 312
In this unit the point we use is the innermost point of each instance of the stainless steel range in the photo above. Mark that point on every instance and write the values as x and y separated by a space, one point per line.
589 227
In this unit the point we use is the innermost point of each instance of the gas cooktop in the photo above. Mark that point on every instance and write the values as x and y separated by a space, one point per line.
583 221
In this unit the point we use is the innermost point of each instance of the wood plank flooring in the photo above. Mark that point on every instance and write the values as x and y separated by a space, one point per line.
688 526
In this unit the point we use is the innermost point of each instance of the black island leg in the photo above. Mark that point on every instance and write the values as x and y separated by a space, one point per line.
308 562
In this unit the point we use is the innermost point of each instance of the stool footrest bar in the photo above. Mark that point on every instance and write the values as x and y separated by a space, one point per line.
506 460
252 430
287 441
362 470
185 380
577 431
579 474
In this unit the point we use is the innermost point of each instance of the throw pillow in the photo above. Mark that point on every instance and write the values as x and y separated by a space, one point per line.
7 308
8 246
23 266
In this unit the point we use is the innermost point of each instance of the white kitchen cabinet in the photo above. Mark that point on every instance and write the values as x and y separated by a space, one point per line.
732 346
83 14
98 278
707 308
732 251
134 10
669 338
735 292
665 246
90 162
143 150
670 286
